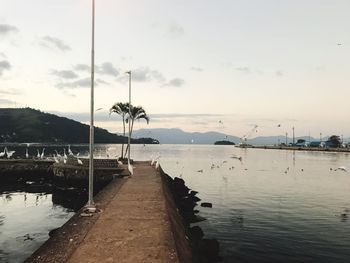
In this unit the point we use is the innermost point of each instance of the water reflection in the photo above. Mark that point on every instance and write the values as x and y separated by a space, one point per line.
262 211
273 206
27 216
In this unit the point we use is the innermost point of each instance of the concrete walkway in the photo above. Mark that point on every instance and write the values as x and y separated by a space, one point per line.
134 227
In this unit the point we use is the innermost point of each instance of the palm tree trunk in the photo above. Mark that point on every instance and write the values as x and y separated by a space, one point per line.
132 126
124 137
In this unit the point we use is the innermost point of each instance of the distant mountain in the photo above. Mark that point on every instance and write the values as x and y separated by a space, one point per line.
29 125
178 136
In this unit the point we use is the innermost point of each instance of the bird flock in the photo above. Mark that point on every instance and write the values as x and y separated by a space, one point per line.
57 157
6 153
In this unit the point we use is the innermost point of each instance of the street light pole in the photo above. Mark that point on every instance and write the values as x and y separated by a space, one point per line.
91 145
129 73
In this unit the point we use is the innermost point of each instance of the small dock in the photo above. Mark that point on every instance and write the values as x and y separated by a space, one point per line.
134 225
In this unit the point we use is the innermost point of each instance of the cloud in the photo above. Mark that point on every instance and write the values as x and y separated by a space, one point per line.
82 67
176 82
197 69
141 74
157 75
170 29
10 91
64 74
85 116
175 30
7 29
4 65
80 83
279 73
244 70
144 74
182 115
107 68
2 55
54 43
6 102
104 116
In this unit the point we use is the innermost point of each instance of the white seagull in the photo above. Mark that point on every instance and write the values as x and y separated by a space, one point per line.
42 154
130 168
2 154
9 153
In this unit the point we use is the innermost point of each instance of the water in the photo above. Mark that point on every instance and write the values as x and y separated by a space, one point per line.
273 206
25 221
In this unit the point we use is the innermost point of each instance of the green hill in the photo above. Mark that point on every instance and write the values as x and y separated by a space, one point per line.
29 125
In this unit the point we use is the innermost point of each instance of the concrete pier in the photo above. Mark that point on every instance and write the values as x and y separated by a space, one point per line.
137 223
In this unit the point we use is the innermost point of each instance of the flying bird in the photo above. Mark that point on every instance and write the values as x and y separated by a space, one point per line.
341 168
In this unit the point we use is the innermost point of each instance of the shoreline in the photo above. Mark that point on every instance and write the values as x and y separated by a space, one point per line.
293 148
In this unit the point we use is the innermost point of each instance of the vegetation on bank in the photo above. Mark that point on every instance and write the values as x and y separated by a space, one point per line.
29 125
224 142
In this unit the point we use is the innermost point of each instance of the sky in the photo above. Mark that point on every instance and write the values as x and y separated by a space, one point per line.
223 65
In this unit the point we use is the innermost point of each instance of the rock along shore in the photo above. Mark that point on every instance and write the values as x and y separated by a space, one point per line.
145 217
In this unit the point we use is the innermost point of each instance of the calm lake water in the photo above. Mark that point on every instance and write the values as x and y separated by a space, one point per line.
272 206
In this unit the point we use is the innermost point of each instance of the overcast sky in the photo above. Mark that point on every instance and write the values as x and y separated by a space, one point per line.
198 65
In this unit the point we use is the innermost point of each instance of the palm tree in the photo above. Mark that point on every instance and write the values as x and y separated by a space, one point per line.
137 113
121 109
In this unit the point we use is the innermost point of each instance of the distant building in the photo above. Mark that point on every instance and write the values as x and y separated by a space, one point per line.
301 143
317 144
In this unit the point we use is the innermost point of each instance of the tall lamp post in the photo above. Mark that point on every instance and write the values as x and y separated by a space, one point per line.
129 73
91 145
